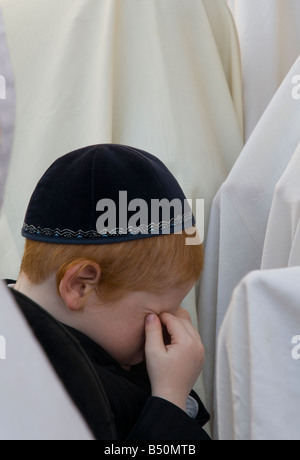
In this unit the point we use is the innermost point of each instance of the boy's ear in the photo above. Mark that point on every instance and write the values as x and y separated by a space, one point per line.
78 282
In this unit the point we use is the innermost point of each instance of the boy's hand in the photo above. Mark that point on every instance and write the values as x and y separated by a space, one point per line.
174 368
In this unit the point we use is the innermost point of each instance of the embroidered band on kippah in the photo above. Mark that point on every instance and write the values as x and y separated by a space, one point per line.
67 234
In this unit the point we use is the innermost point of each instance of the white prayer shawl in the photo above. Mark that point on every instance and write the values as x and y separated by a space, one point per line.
7 108
240 215
34 405
280 247
161 75
294 259
258 367
269 32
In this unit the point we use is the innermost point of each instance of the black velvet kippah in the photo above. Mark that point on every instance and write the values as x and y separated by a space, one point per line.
106 194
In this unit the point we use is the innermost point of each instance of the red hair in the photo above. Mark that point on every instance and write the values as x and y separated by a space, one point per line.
152 264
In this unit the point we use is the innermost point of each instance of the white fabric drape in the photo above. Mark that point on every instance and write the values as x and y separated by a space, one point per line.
163 76
7 108
269 32
258 350
258 368
280 247
240 215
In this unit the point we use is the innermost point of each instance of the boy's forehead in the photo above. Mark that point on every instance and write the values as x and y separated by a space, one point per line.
105 194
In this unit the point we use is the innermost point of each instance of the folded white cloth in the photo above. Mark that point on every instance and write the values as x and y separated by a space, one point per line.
284 219
7 108
269 33
258 368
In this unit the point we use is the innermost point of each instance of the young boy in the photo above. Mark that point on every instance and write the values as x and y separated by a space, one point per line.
104 261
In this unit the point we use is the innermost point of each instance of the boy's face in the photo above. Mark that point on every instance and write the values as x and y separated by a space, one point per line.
119 327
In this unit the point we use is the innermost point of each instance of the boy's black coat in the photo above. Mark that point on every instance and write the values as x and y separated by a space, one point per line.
116 404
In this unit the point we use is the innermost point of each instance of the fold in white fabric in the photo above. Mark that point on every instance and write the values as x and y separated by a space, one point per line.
294 258
258 367
284 219
240 213
7 108
269 33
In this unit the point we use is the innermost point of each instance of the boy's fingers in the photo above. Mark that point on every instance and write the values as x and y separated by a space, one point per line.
174 326
154 334
177 326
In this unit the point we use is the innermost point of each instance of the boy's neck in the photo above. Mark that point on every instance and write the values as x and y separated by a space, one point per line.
45 295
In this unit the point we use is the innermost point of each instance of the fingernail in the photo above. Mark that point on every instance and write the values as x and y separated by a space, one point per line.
151 318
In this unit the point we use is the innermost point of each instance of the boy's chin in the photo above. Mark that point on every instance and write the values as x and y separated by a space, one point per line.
126 367
135 362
